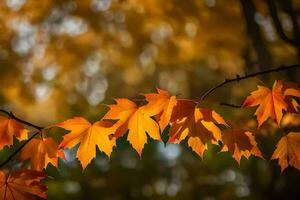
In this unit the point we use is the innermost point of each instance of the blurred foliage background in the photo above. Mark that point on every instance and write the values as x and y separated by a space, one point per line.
64 58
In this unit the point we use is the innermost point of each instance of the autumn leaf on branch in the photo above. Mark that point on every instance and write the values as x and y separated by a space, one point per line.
272 102
240 143
41 152
9 128
198 124
288 151
137 120
161 105
22 184
89 136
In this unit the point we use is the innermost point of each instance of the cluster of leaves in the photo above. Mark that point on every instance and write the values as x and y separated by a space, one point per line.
183 118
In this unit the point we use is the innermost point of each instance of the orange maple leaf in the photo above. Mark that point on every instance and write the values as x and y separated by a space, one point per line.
288 151
89 136
161 106
272 103
41 152
8 128
135 119
240 143
198 124
22 184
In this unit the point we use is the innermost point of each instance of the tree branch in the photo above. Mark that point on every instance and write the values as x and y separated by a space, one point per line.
230 105
253 30
239 78
12 116
277 22
287 6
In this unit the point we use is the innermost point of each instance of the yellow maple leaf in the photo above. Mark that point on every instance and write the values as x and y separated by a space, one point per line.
136 120
161 106
89 136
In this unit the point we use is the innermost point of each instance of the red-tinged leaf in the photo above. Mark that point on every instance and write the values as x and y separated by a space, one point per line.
22 184
198 124
41 152
240 143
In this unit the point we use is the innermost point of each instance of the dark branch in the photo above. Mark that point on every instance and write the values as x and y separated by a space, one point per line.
277 23
230 105
239 78
18 150
287 6
253 31
12 116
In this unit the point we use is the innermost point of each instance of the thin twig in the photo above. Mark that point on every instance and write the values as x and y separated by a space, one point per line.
230 105
18 150
12 116
239 78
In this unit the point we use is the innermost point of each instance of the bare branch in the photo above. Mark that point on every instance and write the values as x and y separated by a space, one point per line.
277 23
239 78
12 116
230 105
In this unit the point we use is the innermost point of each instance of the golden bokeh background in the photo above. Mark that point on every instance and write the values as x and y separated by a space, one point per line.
64 58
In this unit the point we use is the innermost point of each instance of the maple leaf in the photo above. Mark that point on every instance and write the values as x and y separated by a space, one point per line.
89 136
161 106
288 151
8 128
136 120
22 184
272 103
198 124
41 152
240 143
